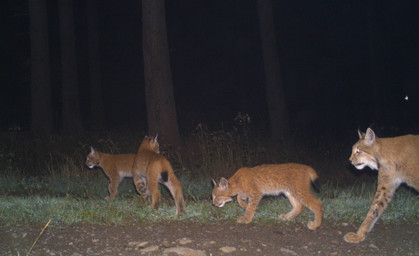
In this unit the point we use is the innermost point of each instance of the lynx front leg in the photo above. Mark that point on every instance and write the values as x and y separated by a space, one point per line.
153 186
113 187
382 198
242 200
250 210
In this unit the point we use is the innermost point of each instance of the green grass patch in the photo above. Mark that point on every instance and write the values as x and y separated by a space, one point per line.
346 205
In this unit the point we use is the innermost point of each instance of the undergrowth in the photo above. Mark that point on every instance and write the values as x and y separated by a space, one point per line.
44 178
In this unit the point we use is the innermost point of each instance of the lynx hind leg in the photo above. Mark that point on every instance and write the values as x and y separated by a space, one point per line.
175 189
153 186
382 198
297 208
141 187
308 200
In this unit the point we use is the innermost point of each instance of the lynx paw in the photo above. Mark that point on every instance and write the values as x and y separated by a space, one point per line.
243 219
145 198
354 238
284 216
312 225
154 206
180 211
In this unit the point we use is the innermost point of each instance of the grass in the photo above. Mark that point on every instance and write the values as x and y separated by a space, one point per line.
346 204
43 178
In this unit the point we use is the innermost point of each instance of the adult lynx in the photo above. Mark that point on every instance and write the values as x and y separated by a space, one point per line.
150 168
115 167
397 162
251 184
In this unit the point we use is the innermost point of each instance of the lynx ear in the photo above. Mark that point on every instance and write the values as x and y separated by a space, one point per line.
370 137
224 184
92 150
361 135
214 182
155 138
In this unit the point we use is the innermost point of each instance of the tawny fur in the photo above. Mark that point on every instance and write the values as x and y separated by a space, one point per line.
149 169
115 167
397 162
251 184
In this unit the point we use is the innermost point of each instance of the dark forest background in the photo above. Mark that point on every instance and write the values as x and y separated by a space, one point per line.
343 65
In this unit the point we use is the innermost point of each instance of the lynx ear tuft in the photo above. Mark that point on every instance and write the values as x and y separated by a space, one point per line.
361 135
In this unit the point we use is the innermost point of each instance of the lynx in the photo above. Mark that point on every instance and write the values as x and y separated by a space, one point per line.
397 162
251 184
150 168
115 167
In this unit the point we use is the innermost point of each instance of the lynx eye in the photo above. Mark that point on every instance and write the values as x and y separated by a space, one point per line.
357 151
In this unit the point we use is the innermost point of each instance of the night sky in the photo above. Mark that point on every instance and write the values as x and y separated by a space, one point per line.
217 65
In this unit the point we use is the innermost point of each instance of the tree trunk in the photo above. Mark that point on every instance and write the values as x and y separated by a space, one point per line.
41 121
97 114
161 109
274 85
69 79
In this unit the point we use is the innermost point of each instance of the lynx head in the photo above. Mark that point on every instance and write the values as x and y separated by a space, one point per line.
364 151
92 158
150 143
221 193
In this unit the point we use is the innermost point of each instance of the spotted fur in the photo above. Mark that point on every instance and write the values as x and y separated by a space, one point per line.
251 184
397 162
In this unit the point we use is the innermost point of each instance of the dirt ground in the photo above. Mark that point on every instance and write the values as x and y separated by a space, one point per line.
185 238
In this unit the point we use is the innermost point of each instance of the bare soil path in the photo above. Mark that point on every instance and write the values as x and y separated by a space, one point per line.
186 238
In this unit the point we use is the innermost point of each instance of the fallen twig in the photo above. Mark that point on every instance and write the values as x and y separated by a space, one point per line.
40 234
